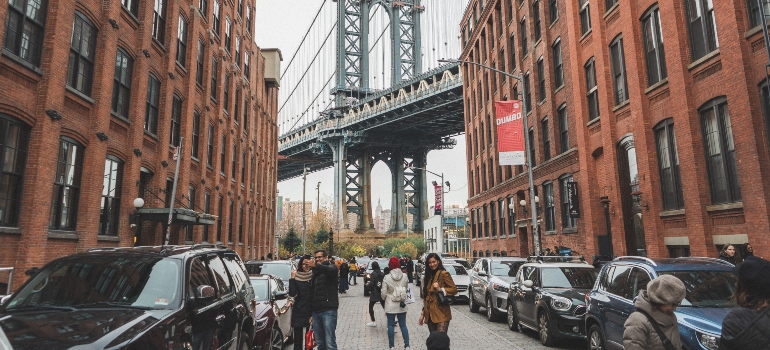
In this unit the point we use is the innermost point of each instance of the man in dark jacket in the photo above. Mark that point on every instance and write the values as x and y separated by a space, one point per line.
324 301
747 327
410 269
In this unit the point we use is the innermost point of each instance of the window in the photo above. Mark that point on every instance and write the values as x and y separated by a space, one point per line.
203 7
152 105
191 205
472 223
493 224
238 51
237 111
553 10
618 70
592 90
720 152
563 129
24 29
668 164
233 162
82 52
196 131
246 107
585 17
654 55
511 217
540 80
546 136
181 41
501 212
246 63
66 185
558 68
199 65
486 221
240 8
243 168
609 3
231 214
226 91
176 119
159 21
207 210
755 16
566 220
550 209
215 18
765 94
702 27
121 88
527 93
110 207
210 147
222 155
248 20
214 73
14 139
536 19
531 145
240 225
220 218
523 33
228 37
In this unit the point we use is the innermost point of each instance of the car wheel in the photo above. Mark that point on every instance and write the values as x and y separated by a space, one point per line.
595 338
513 318
491 316
244 341
544 331
276 339
471 302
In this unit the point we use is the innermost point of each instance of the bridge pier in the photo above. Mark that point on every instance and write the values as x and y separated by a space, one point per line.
339 157
409 191
358 190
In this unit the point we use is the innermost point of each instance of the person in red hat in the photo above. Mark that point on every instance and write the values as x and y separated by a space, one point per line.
394 293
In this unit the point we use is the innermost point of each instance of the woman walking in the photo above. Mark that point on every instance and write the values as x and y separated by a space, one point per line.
394 293
747 327
374 286
656 304
300 290
729 254
436 280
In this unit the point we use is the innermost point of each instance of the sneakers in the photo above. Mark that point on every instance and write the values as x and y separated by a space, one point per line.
371 324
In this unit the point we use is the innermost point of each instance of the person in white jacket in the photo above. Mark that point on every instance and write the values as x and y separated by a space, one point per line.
394 287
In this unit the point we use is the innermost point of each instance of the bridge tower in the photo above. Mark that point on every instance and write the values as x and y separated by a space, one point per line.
352 172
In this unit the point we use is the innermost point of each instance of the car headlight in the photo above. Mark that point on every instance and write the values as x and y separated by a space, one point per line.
261 323
561 304
709 341
368 276
500 287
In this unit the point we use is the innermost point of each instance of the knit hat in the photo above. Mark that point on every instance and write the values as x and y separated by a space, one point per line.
666 290
437 341
394 263
753 273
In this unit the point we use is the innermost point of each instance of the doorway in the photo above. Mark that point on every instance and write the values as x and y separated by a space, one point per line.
523 242
631 198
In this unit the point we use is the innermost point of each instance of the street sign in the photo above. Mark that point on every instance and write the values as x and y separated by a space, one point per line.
574 204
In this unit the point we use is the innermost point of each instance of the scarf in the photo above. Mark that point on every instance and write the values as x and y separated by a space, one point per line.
303 276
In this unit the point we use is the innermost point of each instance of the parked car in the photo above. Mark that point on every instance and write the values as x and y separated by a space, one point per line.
280 268
134 298
710 284
272 312
491 278
460 261
383 264
549 298
461 279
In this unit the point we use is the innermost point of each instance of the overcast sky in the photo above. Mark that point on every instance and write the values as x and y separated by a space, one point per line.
281 24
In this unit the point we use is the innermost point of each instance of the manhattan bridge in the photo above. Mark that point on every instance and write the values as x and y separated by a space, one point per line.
364 86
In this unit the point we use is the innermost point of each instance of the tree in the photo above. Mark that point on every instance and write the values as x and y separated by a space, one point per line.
291 241
404 249
321 236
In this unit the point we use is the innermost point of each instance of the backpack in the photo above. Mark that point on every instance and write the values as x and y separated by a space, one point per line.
399 294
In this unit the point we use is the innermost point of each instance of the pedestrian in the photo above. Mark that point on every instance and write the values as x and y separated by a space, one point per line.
437 279
747 327
375 288
300 291
729 254
437 341
410 269
353 271
394 293
324 302
653 326
343 278
749 250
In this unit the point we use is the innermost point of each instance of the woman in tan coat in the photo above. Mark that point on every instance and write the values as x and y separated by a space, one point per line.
436 279
656 304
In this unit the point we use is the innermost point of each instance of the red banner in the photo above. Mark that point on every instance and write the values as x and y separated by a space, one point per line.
510 132
439 190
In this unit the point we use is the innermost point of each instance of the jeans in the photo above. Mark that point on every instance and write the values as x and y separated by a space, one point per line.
325 329
392 330
353 275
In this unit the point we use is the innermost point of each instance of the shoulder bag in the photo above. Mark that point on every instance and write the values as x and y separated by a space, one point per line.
444 299
663 338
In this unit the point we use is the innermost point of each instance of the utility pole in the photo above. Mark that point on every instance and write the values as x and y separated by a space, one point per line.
318 197
178 156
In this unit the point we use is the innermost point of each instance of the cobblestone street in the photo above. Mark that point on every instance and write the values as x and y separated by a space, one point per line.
467 330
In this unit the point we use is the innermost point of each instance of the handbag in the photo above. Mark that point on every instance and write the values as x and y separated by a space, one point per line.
310 340
444 299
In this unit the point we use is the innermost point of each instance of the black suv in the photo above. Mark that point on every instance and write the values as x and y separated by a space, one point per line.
548 296
169 297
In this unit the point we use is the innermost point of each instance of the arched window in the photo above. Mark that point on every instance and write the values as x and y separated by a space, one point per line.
110 207
14 138
66 186
80 73
720 152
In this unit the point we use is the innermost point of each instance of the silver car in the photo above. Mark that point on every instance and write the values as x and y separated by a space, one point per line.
461 279
491 279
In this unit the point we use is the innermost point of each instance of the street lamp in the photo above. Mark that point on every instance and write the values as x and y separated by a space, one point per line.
304 221
442 193
138 204
527 143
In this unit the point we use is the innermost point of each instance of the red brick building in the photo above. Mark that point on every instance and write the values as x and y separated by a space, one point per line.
96 94
657 109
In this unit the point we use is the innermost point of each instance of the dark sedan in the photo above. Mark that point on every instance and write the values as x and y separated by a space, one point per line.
272 312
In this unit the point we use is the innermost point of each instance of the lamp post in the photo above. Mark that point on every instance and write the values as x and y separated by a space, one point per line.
304 221
527 143
442 196
138 204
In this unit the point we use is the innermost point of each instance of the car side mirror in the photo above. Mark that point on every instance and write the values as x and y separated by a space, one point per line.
280 295
204 293
528 284
483 274
5 299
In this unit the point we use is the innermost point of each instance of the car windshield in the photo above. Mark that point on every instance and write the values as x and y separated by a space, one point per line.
455 270
505 268
282 270
104 281
706 288
568 277
261 290
360 261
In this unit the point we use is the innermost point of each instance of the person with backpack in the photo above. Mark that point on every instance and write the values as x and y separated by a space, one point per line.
375 287
394 293
653 326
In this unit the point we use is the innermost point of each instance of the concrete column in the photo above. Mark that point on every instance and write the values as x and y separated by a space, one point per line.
340 165
421 184
365 215
398 208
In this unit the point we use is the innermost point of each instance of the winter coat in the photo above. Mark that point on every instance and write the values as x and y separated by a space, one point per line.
746 329
394 279
432 310
300 311
344 270
410 267
324 286
733 260
639 333
374 292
